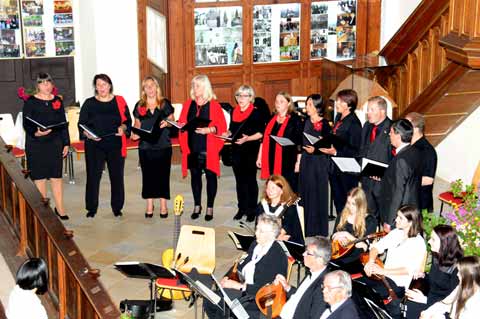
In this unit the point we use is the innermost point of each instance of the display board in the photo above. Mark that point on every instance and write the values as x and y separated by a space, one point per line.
333 29
10 34
218 36
276 32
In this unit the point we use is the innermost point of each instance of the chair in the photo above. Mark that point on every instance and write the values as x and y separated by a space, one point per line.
449 199
11 135
76 145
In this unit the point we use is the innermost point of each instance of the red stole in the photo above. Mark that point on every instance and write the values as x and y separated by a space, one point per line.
239 116
214 144
122 105
277 165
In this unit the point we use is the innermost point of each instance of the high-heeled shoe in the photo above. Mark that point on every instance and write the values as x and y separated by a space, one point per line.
164 214
148 214
209 214
197 210
62 217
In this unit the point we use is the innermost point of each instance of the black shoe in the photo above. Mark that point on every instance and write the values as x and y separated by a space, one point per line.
117 214
164 214
239 214
209 214
197 210
251 218
91 214
62 217
148 215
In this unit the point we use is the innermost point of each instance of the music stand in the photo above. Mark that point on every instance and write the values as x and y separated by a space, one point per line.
135 269
296 251
235 306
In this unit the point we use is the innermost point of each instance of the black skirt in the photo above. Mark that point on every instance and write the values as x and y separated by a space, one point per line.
44 158
156 166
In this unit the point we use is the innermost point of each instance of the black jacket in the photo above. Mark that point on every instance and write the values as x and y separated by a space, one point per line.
347 310
311 305
348 134
400 184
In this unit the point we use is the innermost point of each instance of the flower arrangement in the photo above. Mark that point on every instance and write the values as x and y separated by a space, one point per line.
24 93
456 188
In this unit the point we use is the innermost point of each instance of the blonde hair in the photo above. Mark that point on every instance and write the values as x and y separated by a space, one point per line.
287 97
208 93
159 96
358 195
288 196
247 89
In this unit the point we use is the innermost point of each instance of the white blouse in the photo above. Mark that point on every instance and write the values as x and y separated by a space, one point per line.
402 253
24 304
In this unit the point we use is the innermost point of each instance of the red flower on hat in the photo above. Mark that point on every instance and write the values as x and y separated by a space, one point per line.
142 110
56 104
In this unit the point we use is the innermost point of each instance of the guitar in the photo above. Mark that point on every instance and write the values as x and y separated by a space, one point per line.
168 254
270 299
364 257
339 250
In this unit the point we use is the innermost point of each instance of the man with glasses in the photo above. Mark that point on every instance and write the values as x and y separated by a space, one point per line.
337 290
306 301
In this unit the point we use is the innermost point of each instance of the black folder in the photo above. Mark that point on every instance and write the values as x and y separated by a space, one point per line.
42 127
295 250
134 269
93 134
373 168
195 123
151 134
241 241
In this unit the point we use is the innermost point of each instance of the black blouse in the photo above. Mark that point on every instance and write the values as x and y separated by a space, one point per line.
46 113
197 142
161 137
348 134
250 126
441 282
104 118
309 129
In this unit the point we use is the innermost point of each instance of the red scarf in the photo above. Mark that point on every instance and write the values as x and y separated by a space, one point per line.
239 115
122 105
277 166
214 144
336 126
317 126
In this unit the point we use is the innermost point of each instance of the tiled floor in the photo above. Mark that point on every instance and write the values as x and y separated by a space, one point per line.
105 239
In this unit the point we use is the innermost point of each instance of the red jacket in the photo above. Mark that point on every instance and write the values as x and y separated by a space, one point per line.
214 144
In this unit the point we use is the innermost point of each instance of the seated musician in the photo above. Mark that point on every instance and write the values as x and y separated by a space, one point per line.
406 253
280 201
354 223
306 301
264 261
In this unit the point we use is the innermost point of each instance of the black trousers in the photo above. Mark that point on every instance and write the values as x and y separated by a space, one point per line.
245 172
197 165
95 158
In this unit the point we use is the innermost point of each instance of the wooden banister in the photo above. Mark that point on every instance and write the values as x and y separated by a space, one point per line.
74 289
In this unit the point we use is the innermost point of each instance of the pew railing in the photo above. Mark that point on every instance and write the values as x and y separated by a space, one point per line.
74 288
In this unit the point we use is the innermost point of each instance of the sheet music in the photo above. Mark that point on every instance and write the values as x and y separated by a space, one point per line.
311 139
366 161
347 164
235 305
213 297
126 263
283 141
173 123
89 131
226 138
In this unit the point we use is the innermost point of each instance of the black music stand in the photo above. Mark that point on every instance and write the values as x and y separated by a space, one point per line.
135 269
296 251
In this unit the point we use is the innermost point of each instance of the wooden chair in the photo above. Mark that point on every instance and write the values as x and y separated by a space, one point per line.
449 199
76 145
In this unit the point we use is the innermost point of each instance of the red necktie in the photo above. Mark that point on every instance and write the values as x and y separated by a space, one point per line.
337 125
373 134
394 151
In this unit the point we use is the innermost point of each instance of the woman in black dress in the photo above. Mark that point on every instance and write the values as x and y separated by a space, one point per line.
280 201
347 135
246 128
155 149
107 116
272 157
199 145
442 278
45 149
313 177
354 223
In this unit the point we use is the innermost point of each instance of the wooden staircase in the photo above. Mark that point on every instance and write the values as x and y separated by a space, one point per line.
436 60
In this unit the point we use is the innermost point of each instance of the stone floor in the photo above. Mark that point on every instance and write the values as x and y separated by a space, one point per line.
105 239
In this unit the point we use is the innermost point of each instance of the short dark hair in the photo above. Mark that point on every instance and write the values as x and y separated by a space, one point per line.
43 76
404 128
412 214
350 97
33 273
317 101
450 250
104 78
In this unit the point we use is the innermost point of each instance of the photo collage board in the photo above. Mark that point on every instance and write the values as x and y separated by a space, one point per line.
333 29
10 33
47 28
276 33
218 36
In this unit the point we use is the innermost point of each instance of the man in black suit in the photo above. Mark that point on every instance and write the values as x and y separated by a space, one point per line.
337 290
375 145
305 301
400 185
429 160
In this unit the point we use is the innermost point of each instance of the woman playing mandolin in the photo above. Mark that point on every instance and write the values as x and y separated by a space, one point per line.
355 223
264 261
406 254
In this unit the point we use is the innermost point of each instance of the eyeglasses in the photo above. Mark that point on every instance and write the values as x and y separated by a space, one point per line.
330 288
243 95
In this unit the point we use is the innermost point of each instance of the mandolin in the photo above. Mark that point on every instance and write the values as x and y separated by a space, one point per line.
364 257
339 250
270 299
